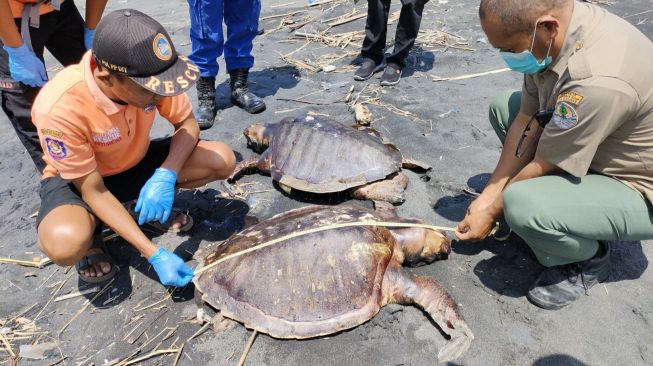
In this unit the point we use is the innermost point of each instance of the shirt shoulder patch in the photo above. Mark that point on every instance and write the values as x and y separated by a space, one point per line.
56 148
50 132
570 97
565 116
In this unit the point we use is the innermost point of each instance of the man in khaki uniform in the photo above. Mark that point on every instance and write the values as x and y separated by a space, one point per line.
577 164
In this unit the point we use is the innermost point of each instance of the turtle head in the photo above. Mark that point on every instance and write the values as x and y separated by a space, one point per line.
259 136
424 246
436 246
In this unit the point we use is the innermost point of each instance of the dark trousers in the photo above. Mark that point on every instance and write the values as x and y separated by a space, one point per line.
62 33
377 28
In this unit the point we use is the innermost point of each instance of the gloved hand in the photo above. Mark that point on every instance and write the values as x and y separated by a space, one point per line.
88 37
25 67
171 269
156 197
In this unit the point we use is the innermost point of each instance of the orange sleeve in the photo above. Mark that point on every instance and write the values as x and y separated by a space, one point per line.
175 109
65 146
17 8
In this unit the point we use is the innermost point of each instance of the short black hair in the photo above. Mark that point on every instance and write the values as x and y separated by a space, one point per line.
517 16
98 64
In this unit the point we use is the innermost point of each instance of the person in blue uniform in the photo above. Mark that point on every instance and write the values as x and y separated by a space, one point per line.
208 43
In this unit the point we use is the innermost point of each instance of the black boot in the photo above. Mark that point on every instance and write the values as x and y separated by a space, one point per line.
240 94
205 113
559 286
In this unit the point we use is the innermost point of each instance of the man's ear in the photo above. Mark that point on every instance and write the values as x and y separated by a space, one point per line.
551 24
105 76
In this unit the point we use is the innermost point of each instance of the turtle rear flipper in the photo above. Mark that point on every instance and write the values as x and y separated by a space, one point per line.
430 295
409 163
415 165
389 190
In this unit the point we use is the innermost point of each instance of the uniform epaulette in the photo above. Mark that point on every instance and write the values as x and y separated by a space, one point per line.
579 66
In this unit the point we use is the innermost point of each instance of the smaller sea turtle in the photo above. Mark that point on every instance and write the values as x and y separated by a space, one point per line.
325 282
319 155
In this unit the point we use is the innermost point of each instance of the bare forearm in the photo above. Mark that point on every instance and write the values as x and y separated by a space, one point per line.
509 164
534 169
182 145
488 207
108 209
94 10
9 34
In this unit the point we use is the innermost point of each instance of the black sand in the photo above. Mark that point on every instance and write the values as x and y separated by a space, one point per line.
447 128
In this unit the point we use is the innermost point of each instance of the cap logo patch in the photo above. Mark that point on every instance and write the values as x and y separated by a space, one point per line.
162 48
56 148
565 116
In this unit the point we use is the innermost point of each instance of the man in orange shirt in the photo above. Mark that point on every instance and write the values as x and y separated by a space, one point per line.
27 27
94 121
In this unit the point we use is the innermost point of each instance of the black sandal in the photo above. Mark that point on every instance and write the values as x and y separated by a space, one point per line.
166 227
154 227
157 228
89 260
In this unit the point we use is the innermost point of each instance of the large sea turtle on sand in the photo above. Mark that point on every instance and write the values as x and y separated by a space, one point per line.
325 282
319 155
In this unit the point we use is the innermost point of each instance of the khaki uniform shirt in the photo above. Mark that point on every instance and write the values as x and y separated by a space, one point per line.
600 87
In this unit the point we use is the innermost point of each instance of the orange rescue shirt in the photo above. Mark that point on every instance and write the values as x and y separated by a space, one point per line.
81 129
17 8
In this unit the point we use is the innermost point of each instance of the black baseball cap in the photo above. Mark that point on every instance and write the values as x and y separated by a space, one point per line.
131 43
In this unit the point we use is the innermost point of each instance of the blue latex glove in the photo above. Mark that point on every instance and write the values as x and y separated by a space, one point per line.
171 269
25 67
88 37
156 197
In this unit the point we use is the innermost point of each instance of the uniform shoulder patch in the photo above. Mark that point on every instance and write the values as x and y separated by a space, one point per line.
56 148
51 132
565 116
570 97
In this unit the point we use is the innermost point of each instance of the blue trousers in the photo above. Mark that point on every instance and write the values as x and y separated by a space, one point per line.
208 43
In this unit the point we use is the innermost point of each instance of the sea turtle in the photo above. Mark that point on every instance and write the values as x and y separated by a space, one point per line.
325 282
320 155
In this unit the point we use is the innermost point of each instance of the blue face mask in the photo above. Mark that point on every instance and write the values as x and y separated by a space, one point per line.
525 62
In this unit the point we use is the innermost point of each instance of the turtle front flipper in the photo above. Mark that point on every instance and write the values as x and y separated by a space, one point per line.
415 165
430 295
260 163
389 190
